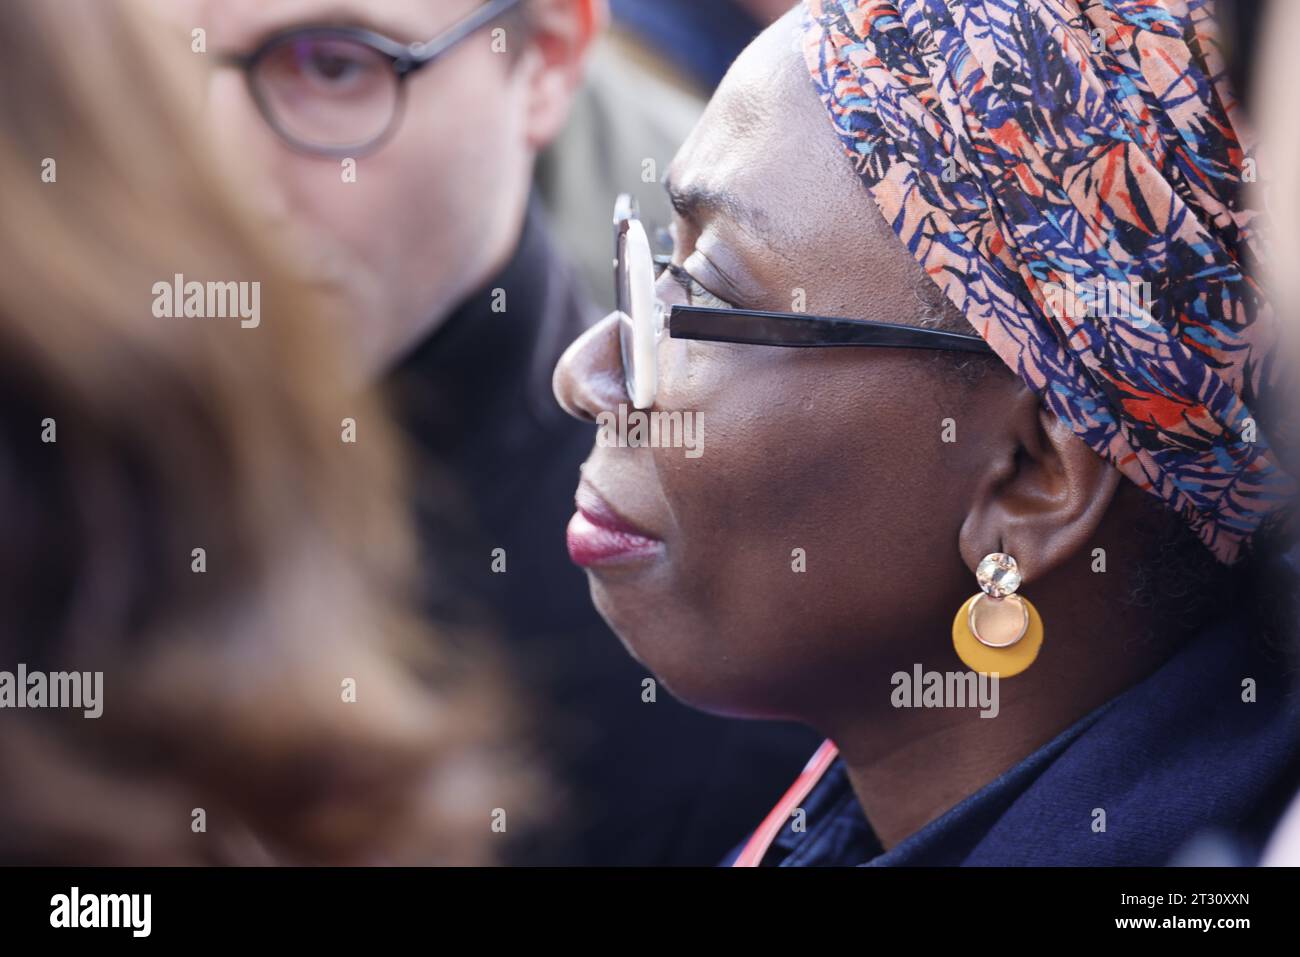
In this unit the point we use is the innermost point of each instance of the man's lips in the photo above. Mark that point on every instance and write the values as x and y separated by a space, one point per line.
598 535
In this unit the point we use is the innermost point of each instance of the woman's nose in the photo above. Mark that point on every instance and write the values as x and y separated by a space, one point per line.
589 377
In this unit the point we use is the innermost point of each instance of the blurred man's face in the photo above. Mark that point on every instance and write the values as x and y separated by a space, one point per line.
435 211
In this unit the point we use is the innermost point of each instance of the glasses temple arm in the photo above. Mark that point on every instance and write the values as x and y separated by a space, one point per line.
422 54
799 330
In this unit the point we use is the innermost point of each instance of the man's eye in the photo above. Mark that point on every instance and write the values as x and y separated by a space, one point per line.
696 294
333 67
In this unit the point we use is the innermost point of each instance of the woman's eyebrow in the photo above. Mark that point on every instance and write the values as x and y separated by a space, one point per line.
693 202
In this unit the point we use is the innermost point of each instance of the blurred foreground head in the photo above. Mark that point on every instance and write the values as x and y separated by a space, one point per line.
128 442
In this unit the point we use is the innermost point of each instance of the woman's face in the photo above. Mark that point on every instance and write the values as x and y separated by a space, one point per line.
837 453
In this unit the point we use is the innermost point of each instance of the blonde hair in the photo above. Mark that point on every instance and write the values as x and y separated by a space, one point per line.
223 690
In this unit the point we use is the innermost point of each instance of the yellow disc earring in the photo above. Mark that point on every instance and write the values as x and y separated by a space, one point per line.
996 630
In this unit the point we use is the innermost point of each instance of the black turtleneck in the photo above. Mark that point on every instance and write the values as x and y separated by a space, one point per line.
646 783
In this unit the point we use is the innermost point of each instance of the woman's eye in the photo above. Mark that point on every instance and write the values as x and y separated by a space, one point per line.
696 294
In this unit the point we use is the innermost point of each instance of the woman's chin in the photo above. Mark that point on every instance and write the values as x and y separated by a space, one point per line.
676 669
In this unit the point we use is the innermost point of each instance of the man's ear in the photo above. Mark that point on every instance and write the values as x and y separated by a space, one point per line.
560 35
1044 493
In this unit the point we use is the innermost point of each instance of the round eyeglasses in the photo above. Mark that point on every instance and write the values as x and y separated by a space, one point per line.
640 312
643 319
341 91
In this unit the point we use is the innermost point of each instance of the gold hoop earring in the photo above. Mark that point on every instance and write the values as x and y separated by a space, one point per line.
997 631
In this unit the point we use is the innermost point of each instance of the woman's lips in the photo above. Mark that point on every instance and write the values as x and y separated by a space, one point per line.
598 535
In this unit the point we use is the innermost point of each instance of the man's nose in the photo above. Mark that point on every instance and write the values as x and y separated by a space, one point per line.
589 377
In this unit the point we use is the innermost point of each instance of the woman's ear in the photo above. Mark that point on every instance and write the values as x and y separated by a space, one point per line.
1044 495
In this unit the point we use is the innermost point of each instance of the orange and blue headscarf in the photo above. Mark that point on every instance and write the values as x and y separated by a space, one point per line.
1023 147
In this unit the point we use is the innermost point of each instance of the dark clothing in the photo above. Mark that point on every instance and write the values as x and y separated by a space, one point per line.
699 39
1175 757
648 783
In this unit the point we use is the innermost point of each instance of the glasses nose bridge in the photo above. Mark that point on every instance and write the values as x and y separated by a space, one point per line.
668 292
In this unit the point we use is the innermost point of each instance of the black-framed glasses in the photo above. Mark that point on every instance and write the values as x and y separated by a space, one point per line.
341 91
643 318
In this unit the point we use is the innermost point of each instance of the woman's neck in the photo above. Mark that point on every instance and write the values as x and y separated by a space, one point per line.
911 761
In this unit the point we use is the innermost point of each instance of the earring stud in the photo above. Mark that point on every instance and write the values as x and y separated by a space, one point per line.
997 631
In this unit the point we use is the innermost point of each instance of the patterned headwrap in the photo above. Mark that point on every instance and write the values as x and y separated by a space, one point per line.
1043 158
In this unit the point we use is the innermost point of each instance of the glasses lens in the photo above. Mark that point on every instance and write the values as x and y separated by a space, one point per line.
626 324
634 282
327 92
